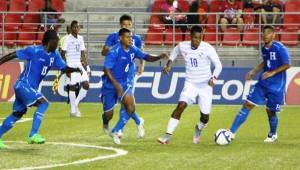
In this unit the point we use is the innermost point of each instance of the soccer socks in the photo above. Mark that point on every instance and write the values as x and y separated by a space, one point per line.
173 123
239 119
136 118
124 117
273 122
7 124
72 96
38 118
201 125
81 95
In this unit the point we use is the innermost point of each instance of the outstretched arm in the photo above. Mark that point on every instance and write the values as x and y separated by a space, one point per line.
8 57
153 58
254 71
167 67
69 70
282 68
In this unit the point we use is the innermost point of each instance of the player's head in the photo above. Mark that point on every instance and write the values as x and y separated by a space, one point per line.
196 35
268 34
75 27
126 21
50 40
125 36
68 29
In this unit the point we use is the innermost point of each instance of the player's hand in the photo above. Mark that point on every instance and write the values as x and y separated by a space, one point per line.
119 91
212 81
267 74
166 69
250 75
163 55
140 71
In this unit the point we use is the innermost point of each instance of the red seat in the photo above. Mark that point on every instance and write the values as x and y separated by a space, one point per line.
39 37
17 5
292 21
9 38
211 20
3 7
251 37
231 37
31 21
156 5
210 35
26 37
58 5
215 6
36 5
170 36
249 18
13 21
154 36
156 23
289 37
184 5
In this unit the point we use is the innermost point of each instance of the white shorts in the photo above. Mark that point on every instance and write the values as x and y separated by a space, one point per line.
76 77
191 91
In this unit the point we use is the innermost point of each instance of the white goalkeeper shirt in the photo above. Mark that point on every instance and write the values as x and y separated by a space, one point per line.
73 47
198 61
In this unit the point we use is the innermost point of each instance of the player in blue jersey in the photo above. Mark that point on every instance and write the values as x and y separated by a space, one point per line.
115 80
113 39
270 88
39 60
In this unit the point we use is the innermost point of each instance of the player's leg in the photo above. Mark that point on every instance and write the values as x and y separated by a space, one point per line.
85 87
74 79
255 97
274 103
205 103
187 96
109 99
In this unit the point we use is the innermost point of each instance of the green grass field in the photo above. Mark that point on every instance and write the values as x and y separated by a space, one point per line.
246 152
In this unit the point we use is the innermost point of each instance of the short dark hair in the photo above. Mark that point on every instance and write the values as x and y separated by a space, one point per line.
195 29
125 17
73 23
122 31
269 27
49 35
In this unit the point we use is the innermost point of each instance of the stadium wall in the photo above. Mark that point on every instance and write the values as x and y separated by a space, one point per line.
153 86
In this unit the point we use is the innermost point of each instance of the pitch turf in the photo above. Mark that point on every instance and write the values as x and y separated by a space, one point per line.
247 152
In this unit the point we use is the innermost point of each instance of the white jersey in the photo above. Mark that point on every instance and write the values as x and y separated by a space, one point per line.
73 47
198 61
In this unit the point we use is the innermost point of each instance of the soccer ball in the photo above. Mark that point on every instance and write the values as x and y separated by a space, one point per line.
222 137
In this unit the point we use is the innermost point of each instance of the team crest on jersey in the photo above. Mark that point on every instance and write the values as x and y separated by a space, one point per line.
132 56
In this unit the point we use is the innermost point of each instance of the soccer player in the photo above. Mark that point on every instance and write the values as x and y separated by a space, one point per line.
115 80
113 39
270 87
199 81
73 53
40 59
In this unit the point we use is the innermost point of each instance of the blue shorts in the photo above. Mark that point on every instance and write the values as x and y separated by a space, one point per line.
26 96
109 97
260 95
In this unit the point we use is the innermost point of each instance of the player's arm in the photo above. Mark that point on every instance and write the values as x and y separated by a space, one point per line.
254 71
108 44
141 67
105 50
217 64
8 57
116 85
282 68
173 56
153 58
85 62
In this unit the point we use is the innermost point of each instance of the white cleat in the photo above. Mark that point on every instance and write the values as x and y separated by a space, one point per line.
164 139
271 139
106 129
75 115
196 138
231 135
116 138
120 133
78 113
141 130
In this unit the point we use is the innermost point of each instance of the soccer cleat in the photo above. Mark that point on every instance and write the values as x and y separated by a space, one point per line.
140 128
120 133
271 138
231 135
78 113
36 138
116 138
164 139
106 129
74 115
196 138
2 145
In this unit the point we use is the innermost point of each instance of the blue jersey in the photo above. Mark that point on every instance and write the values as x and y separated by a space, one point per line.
274 57
113 39
39 62
119 61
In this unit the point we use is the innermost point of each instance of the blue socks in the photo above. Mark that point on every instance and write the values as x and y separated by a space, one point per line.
38 118
273 122
8 123
239 119
124 117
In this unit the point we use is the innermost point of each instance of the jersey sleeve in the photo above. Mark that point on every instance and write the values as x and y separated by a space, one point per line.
175 53
138 53
26 53
138 42
109 42
65 44
58 61
214 58
110 59
284 55
82 46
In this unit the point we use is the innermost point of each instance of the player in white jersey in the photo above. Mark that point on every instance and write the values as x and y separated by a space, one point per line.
74 54
199 81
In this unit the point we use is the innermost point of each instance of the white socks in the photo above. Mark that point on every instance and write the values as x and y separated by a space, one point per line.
72 96
173 123
201 125
81 95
